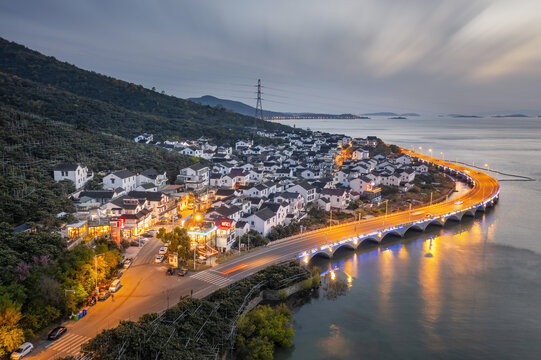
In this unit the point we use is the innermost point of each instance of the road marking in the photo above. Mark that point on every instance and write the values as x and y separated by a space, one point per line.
70 344
233 269
212 277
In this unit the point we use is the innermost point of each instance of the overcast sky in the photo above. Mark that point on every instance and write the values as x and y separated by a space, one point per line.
427 56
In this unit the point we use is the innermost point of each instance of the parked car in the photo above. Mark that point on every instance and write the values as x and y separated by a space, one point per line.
163 250
153 231
102 296
182 272
159 258
127 263
23 350
172 271
56 333
115 286
148 235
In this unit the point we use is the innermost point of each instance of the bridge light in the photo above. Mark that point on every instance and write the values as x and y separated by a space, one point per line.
305 259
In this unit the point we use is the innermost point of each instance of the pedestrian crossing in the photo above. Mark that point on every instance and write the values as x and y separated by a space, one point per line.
212 277
69 344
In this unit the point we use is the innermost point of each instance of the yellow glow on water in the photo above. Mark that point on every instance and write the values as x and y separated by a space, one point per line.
429 280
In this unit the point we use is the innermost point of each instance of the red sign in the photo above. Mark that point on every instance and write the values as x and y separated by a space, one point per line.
224 224
120 223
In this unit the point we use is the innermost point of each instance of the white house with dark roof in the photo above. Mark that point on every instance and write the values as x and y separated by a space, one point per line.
76 173
123 178
307 191
152 176
195 177
360 154
339 198
263 221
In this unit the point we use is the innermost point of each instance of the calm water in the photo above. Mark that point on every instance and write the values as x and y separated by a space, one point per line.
468 291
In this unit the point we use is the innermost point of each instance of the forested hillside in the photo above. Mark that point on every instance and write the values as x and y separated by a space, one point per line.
110 104
32 145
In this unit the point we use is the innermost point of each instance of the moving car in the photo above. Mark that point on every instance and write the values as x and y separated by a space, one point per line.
459 202
148 235
23 350
163 250
159 258
56 333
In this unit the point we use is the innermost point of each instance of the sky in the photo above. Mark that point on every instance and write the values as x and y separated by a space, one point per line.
426 56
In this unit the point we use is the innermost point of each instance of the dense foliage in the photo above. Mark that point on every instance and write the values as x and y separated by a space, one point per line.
178 240
66 93
262 329
37 271
253 239
194 328
31 146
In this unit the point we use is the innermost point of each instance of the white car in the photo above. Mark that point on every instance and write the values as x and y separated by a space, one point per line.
22 351
459 202
163 250
159 258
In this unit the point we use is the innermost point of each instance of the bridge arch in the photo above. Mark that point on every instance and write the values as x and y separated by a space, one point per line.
321 253
391 234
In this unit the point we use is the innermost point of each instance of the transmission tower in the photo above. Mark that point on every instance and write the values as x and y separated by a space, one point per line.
258 106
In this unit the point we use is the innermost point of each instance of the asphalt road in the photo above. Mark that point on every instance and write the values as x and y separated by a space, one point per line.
147 288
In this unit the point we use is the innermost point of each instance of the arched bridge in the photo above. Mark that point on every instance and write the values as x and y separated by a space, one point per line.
484 193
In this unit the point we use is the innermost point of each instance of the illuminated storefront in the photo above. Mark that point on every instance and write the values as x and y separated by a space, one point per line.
76 230
203 234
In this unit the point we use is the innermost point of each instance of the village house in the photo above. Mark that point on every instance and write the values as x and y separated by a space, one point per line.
195 177
76 173
339 198
124 179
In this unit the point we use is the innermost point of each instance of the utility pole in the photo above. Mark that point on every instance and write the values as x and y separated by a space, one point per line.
431 198
409 218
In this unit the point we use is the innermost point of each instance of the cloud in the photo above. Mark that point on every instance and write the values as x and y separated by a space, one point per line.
402 55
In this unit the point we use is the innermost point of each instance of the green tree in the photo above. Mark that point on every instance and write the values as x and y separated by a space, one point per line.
253 239
178 240
262 329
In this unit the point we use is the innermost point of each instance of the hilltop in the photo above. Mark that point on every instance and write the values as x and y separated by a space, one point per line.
43 85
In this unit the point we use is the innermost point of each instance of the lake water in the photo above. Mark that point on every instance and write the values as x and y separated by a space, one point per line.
468 291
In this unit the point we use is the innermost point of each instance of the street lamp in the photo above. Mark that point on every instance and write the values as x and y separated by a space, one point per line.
488 167
442 155
430 151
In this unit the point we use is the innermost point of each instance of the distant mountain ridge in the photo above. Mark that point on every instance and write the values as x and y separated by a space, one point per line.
385 113
244 109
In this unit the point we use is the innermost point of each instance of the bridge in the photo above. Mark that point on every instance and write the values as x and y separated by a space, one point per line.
484 193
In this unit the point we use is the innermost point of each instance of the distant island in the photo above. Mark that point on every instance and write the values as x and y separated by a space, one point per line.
244 109
510 116
388 114
464 116
398 118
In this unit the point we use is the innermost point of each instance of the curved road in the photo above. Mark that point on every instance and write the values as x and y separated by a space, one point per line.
147 289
